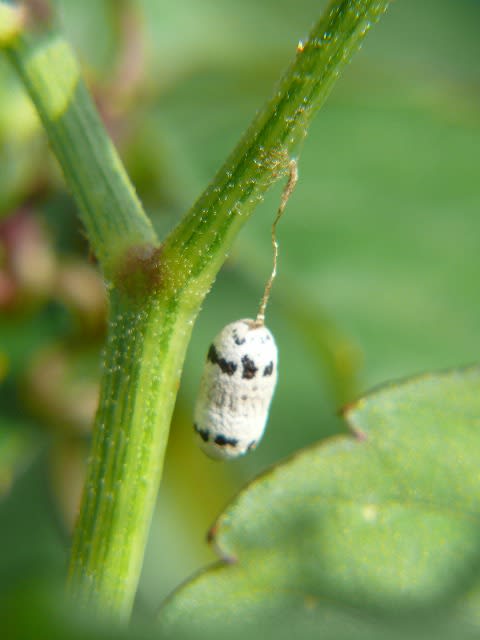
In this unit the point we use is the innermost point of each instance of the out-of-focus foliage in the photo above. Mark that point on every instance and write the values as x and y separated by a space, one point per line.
386 523
378 272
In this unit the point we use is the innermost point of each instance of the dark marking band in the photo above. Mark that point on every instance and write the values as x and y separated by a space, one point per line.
249 368
227 367
236 338
268 369
203 433
223 440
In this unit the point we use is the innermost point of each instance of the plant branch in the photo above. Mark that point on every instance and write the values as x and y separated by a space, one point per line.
109 208
264 153
157 292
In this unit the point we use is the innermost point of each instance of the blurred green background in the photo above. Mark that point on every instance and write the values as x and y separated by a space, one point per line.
378 273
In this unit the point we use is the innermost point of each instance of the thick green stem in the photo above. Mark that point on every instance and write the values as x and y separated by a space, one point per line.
157 292
138 394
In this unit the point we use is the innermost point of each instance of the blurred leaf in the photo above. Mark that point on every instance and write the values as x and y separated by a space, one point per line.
30 536
18 444
24 334
38 609
61 386
91 28
386 522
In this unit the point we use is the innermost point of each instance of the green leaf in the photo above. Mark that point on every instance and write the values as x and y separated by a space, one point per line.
18 445
383 523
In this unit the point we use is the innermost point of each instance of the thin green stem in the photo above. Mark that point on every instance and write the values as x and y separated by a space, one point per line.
264 153
109 208
157 292
12 21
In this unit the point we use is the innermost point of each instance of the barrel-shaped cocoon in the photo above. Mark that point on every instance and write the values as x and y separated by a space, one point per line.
236 390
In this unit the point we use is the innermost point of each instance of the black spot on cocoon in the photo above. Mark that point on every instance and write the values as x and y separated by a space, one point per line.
268 369
249 368
227 367
236 338
212 354
203 433
223 440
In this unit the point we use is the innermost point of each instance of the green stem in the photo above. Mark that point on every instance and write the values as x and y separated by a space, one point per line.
275 135
109 208
12 21
153 309
145 351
